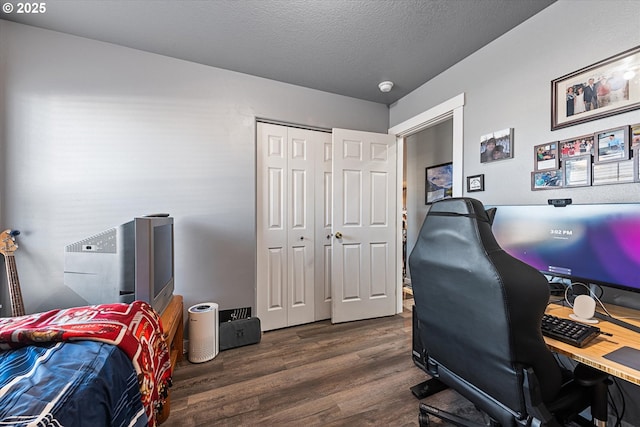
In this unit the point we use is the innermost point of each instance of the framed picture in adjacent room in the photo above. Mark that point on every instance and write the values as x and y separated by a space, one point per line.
496 145
576 147
546 180
577 171
475 183
612 145
606 88
439 182
546 156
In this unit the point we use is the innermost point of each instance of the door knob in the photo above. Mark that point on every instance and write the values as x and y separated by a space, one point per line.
338 235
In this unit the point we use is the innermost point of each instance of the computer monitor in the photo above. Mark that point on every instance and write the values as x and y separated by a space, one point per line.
592 244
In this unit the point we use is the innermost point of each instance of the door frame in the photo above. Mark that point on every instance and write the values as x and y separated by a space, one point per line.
450 109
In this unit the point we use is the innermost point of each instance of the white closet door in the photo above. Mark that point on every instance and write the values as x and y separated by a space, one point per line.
271 223
301 231
285 225
364 225
324 215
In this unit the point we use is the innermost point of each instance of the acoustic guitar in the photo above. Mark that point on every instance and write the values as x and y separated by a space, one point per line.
7 247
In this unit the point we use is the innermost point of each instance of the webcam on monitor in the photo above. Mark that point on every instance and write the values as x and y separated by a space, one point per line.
559 203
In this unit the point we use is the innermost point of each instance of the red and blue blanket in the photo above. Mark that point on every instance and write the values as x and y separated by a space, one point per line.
134 328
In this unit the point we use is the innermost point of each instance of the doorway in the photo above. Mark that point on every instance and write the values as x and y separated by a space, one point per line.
451 109
429 147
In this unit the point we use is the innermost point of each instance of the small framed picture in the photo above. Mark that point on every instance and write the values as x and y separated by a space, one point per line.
612 145
613 173
438 182
635 136
546 180
475 183
496 146
576 147
577 171
546 156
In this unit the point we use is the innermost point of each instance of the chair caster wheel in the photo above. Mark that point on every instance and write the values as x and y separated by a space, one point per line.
423 420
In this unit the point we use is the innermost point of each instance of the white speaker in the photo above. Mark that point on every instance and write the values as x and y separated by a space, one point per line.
584 308
203 332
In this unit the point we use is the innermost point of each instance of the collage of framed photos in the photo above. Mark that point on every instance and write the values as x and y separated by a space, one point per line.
605 157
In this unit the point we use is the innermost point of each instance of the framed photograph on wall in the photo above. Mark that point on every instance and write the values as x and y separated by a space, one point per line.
635 136
475 183
613 173
438 182
576 147
496 146
606 88
577 171
546 180
636 164
612 145
546 156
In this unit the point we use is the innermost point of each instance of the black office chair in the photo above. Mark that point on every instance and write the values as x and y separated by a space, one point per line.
480 312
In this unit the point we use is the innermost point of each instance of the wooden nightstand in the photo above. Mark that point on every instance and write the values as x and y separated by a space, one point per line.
172 322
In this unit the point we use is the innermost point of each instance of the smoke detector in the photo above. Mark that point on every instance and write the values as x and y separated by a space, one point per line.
385 86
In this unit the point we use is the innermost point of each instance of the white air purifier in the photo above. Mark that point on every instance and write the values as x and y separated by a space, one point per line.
203 332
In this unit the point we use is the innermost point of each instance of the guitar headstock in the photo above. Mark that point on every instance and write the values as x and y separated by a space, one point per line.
8 243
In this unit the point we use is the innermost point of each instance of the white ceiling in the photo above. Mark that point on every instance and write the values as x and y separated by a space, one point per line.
339 46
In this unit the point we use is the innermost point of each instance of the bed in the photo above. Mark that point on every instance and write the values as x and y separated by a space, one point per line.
102 365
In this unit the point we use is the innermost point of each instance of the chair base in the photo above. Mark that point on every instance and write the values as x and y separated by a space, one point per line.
428 388
426 410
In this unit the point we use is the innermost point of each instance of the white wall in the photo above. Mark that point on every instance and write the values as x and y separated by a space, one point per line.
95 134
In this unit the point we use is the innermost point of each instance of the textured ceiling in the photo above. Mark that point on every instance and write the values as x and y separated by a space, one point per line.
339 46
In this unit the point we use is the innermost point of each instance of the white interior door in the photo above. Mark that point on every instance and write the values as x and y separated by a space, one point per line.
285 223
364 225
301 231
324 216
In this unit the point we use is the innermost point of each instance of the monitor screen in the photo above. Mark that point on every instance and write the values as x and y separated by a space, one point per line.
597 243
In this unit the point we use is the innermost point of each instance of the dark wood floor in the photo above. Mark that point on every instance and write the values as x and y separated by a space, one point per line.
350 374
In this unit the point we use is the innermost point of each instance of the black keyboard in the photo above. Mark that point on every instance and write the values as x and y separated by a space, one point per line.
566 330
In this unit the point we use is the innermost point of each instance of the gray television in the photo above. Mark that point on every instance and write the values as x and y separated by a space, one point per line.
133 261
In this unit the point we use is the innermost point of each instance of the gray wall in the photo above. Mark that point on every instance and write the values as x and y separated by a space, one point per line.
95 134
507 84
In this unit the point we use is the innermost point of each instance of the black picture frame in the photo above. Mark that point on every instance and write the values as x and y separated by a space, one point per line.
612 145
438 183
546 156
619 90
475 183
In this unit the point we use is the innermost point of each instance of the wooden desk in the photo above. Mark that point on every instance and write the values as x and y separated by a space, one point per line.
592 354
